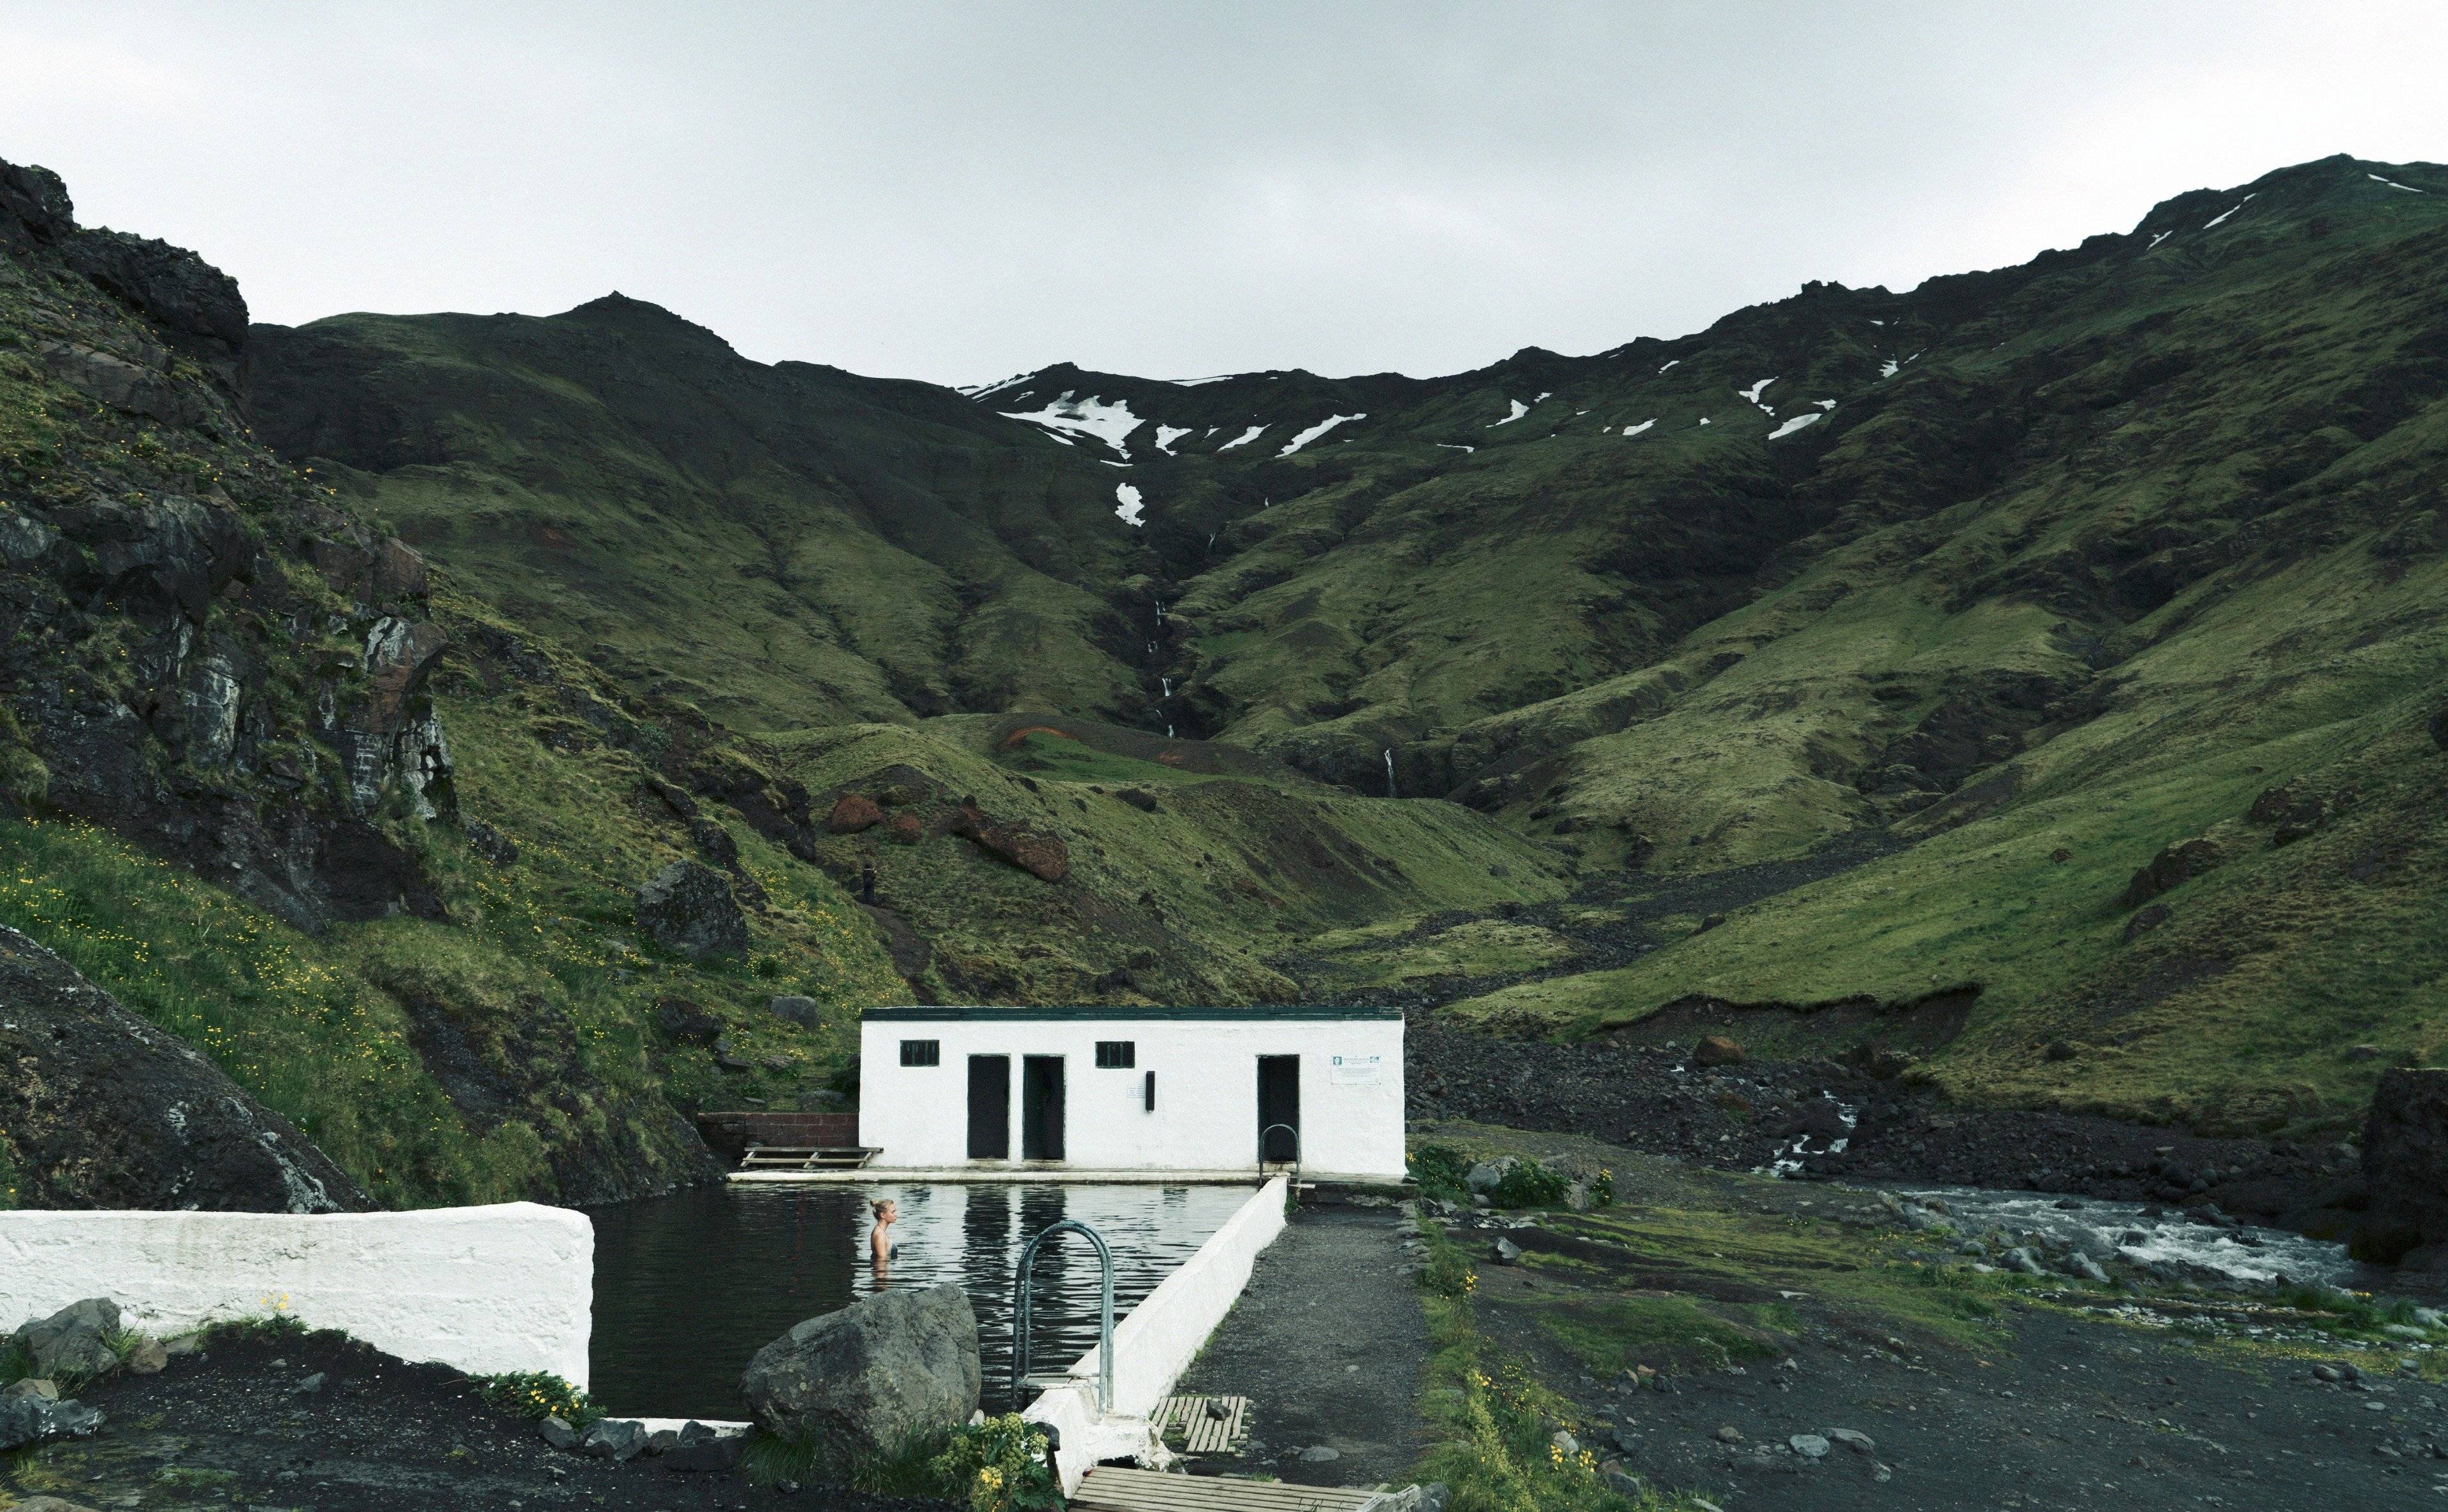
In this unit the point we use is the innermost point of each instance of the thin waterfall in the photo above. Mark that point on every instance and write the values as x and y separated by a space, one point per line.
1389 774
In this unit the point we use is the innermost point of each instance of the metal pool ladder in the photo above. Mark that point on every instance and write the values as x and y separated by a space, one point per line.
1105 1322
1292 1194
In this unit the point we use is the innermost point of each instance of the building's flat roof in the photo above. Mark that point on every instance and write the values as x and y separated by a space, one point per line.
1097 1014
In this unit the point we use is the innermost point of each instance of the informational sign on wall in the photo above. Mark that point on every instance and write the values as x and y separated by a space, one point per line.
1354 1070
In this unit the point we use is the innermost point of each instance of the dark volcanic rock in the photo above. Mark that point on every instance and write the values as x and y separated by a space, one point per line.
2406 1164
887 1370
75 1341
688 909
2145 921
102 1109
2171 868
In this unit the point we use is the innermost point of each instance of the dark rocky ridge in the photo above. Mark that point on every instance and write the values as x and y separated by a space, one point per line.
100 1109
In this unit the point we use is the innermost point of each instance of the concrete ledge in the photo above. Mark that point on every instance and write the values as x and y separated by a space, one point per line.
484 1289
1156 1343
1065 1175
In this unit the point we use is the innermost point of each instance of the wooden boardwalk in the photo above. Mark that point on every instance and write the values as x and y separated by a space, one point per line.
1209 1424
1108 1489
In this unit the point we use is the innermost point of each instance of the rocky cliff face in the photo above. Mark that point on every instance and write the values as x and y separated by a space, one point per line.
200 652
100 1109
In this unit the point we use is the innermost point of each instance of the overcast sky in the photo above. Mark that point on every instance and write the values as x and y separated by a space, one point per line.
961 192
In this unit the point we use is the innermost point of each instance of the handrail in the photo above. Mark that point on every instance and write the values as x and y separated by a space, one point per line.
1105 1320
1293 1192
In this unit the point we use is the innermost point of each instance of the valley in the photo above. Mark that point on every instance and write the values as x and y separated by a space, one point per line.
1992 735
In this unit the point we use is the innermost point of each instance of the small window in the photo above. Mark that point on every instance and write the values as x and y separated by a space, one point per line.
922 1052
1116 1055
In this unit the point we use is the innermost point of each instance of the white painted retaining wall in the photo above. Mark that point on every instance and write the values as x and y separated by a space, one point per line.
1206 1069
1156 1343
483 1290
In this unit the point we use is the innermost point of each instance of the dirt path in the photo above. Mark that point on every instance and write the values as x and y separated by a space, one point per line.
1327 1343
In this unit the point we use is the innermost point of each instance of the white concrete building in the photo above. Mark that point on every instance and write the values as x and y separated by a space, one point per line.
1077 1090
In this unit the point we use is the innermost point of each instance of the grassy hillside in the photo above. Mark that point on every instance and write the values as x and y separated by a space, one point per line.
1986 594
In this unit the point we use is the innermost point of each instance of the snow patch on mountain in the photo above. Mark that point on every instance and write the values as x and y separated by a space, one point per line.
1752 394
979 391
1671 364
1635 430
1167 434
2230 210
1805 419
1518 410
1091 416
2393 185
1316 430
1243 439
1127 504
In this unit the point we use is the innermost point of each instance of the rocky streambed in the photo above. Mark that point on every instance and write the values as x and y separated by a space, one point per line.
1828 1120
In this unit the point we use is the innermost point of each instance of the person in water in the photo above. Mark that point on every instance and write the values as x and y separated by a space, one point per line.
880 1245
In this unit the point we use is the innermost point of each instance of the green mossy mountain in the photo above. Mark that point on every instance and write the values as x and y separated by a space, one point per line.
2077 556
359 671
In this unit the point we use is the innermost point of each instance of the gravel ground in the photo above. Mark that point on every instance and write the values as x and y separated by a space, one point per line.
2073 1415
232 1427
1327 1343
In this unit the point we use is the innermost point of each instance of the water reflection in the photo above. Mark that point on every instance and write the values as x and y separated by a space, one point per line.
688 1287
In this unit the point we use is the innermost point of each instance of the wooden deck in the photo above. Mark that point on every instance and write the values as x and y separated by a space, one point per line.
806 1157
1209 1424
1107 1489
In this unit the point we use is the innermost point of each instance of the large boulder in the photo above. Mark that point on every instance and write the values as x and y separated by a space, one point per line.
2405 1165
74 1342
871 1379
688 909
1042 856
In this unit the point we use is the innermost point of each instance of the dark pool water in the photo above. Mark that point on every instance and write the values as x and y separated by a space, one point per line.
688 1287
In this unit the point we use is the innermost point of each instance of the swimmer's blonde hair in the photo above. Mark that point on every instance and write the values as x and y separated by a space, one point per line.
876 1206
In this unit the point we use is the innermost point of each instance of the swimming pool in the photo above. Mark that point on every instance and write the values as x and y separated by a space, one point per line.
687 1287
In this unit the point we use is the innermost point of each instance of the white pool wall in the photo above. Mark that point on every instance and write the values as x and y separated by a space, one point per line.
1156 1343
484 1289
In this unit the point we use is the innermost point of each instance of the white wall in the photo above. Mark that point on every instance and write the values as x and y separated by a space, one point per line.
484 1289
1156 1343
1206 1086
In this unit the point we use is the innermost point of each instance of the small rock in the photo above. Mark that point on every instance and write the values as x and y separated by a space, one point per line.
1717 1051
1810 1445
662 1440
614 1439
1507 1253
1730 1434
1564 1443
34 1385
1320 1454
149 1357
2084 1265
72 1341
1713 920
557 1432
805 1012
35 1420
1854 1439
1488 1174
2327 1372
